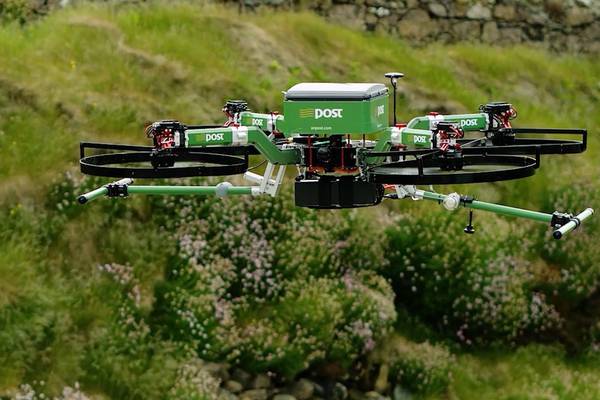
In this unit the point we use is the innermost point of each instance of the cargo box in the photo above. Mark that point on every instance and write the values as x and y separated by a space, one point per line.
335 108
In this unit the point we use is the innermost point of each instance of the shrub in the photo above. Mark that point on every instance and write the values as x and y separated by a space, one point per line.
273 287
15 10
124 357
419 367
194 382
316 321
479 287
28 392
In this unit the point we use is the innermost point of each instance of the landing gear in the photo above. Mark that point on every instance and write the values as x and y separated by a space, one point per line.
469 228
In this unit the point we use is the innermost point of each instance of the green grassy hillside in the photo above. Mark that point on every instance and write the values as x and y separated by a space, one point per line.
103 73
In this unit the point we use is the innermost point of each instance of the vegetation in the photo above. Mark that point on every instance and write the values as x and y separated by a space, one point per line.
126 297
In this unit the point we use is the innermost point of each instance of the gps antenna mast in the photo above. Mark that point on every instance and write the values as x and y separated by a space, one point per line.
394 76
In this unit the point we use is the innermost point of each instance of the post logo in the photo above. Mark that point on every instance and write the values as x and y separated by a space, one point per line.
212 137
419 139
257 122
468 122
318 113
380 110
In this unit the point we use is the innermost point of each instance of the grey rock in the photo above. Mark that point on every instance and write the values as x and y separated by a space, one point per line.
511 35
302 390
459 8
226 395
371 19
242 377
217 370
416 25
354 394
479 11
318 390
374 396
506 12
254 394
283 396
578 16
233 386
437 9
382 12
400 393
339 392
346 14
537 18
490 32
592 34
261 381
467 30
382 383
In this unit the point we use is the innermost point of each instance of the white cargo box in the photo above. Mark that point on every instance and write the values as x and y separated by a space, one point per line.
335 91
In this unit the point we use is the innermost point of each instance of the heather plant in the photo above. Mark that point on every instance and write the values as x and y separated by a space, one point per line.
422 368
317 320
480 287
194 382
28 392
125 356
271 287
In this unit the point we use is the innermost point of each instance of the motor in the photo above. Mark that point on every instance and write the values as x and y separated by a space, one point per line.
500 114
232 110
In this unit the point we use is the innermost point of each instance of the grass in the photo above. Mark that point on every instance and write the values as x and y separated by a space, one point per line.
103 72
532 372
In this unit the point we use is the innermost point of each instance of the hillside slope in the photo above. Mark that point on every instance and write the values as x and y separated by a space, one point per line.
103 73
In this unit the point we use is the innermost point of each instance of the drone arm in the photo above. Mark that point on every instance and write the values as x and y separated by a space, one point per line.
562 223
418 131
395 136
271 122
124 188
240 136
469 202
467 122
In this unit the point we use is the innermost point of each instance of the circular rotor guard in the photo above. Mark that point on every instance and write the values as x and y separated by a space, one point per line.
138 162
476 169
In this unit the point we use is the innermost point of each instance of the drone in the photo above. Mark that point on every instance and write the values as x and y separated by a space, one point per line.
346 153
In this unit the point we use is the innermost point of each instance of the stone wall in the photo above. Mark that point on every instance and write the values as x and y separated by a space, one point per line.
570 25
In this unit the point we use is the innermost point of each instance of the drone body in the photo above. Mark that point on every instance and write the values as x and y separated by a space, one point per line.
346 153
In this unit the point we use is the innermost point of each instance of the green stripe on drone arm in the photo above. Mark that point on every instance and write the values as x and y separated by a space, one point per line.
239 136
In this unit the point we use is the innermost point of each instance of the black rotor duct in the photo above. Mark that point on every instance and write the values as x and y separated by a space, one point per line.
476 169
184 163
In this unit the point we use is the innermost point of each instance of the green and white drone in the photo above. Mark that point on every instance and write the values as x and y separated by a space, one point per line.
346 153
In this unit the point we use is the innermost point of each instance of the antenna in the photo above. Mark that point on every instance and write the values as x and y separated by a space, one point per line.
394 76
